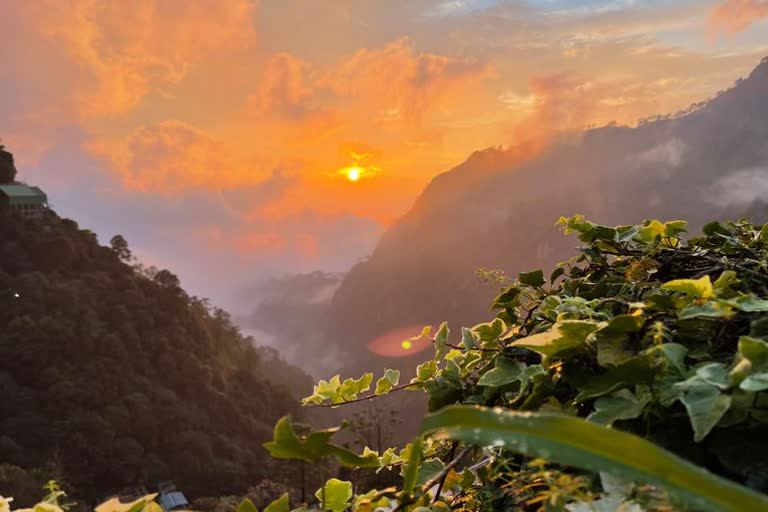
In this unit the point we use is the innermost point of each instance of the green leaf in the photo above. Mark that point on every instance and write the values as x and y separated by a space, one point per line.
715 374
638 370
411 473
705 405
534 278
755 382
428 470
281 504
575 442
754 349
505 372
559 271
620 405
727 279
287 445
701 288
335 495
489 332
425 371
750 304
390 379
247 506
675 354
710 309
351 388
613 339
468 338
441 338
651 231
564 339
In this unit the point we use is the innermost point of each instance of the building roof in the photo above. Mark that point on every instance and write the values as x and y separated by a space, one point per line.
18 193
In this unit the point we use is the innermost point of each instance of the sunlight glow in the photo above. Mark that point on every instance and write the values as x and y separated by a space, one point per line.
353 173
407 345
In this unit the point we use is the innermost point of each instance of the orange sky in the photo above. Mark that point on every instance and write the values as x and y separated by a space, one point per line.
257 105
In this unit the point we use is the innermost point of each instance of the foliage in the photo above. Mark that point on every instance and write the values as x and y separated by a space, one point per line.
7 167
646 332
120 377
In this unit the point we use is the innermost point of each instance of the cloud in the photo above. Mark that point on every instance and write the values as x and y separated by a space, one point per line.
285 90
740 188
732 16
171 156
124 50
396 77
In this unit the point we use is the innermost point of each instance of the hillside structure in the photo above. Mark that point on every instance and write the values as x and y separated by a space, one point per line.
29 202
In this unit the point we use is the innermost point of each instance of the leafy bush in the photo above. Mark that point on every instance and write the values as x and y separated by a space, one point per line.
643 335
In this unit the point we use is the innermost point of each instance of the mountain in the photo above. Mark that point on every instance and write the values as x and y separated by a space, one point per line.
492 211
111 375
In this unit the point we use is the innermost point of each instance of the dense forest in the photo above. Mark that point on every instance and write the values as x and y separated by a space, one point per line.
111 375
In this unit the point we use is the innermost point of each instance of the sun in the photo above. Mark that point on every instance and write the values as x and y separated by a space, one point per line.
353 173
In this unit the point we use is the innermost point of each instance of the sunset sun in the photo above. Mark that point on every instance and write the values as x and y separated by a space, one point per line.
353 173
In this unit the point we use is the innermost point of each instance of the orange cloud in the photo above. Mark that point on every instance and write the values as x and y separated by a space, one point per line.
734 16
170 157
284 88
402 83
125 50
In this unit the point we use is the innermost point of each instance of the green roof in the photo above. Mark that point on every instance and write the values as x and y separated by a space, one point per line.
23 194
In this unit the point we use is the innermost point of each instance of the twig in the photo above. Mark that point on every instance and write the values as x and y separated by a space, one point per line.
448 467
442 480
367 397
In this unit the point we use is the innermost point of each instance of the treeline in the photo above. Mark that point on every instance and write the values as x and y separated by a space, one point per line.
112 376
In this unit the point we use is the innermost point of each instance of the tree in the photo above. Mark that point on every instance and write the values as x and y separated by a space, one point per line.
119 246
7 167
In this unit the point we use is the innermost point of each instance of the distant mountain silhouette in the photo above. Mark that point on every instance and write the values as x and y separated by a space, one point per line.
707 163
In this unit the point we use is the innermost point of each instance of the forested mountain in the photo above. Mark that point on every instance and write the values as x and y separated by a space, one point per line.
112 375
488 212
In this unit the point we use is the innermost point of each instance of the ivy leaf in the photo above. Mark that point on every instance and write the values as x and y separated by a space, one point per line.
506 297
651 231
428 470
727 279
675 354
534 278
620 405
388 381
705 404
563 339
490 331
612 339
351 388
715 374
281 504
750 304
286 444
247 506
559 271
425 371
754 349
335 495
505 372
710 309
701 288
755 382
441 338
468 338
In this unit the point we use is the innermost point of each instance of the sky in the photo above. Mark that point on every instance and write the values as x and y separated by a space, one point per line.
234 140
